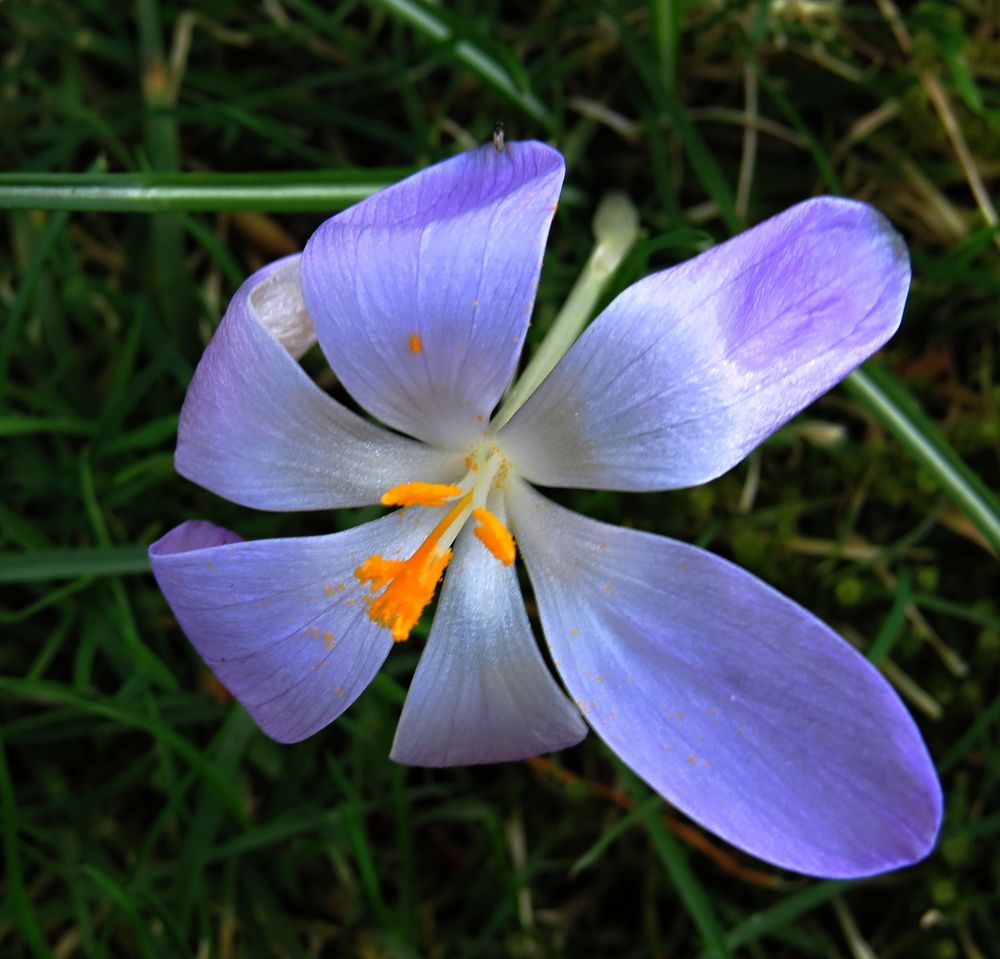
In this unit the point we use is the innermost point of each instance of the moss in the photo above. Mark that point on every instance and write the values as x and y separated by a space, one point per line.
988 645
944 892
928 578
849 591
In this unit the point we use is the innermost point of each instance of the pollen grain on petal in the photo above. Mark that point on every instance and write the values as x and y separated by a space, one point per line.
420 494
494 536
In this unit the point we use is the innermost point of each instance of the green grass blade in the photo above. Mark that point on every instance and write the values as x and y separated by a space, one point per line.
14 425
614 832
19 902
226 754
72 563
124 901
52 597
784 912
696 900
319 191
893 626
407 873
888 402
705 167
665 19
703 163
127 714
819 155
484 66
979 730
11 328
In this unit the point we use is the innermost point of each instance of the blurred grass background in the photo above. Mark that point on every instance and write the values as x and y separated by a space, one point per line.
142 813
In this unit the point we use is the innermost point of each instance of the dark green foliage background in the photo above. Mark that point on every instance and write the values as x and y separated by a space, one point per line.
142 814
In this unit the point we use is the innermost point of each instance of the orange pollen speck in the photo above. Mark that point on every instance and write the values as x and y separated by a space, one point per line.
420 494
494 536
408 584
415 345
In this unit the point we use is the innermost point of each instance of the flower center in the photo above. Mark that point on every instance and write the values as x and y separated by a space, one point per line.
401 589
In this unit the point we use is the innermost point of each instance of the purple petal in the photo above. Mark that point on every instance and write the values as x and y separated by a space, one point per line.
689 369
741 708
422 293
283 622
482 692
255 429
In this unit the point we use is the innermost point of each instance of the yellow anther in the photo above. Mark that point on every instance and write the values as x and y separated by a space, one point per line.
420 494
409 587
415 345
495 536
408 584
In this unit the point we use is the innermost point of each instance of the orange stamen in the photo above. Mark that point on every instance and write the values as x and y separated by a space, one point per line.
420 494
415 345
409 584
495 536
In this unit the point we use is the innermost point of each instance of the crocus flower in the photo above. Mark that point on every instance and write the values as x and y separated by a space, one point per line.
737 705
